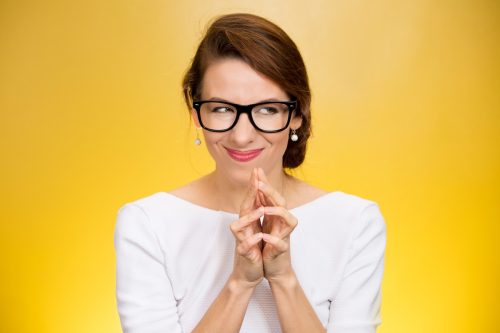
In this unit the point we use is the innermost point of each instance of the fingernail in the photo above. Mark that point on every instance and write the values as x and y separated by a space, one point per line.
261 184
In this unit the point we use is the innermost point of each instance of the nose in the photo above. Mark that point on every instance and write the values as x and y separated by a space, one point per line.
243 132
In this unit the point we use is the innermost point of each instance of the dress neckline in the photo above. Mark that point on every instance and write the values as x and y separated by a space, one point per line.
304 205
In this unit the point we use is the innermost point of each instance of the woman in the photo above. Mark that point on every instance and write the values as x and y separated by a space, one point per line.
248 247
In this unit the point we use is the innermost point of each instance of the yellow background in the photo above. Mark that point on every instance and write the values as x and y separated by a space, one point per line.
406 113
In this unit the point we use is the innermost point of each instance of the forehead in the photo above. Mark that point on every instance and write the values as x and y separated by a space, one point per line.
234 80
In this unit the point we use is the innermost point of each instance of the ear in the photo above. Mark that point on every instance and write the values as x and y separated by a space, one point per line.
296 122
194 115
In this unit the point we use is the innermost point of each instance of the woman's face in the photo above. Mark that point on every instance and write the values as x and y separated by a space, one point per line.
237 151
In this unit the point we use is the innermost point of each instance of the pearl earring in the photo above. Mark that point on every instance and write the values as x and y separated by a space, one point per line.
197 141
294 137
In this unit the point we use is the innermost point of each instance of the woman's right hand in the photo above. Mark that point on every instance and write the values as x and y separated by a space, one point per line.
248 268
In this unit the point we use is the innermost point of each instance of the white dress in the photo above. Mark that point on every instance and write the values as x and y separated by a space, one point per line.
173 257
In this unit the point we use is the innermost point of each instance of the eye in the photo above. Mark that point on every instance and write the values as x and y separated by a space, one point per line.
222 109
267 110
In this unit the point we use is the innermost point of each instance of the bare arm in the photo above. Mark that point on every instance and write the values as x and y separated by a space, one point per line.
294 310
228 310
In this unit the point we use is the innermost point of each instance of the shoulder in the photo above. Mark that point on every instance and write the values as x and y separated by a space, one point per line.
133 222
349 206
139 213
152 211
304 194
350 201
164 212
150 204
365 220
340 211
161 202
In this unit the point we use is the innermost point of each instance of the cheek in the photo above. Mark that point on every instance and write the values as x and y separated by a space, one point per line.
212 137
211 140
285 144
280 142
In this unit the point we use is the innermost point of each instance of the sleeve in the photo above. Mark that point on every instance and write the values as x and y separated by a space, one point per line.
145 299
356 308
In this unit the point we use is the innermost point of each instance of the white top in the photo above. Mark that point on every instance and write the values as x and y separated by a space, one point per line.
173 258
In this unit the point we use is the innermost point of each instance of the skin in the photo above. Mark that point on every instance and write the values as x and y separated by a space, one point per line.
253 189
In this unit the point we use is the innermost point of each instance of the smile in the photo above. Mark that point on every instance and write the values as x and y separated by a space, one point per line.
243 156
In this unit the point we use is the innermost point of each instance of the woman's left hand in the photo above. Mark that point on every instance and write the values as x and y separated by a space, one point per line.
277 226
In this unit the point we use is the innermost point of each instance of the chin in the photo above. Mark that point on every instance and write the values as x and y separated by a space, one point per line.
240 175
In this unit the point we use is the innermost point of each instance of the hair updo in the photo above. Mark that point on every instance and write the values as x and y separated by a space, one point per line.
268 50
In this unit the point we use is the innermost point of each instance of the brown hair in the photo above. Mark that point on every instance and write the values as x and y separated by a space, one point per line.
268 50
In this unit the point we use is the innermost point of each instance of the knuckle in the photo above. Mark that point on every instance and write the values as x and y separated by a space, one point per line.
283 211
240 252
243 212
241 249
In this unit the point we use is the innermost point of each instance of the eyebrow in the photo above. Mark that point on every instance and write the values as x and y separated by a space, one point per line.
272 99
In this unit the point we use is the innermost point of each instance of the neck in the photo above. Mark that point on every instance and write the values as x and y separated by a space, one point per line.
230 193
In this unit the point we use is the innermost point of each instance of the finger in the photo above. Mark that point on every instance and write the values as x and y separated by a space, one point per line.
282 212
238 226
270 192
262 175
277 242
263 179
248 202
274 225
267 225
244 249
259 197
262 199
285 215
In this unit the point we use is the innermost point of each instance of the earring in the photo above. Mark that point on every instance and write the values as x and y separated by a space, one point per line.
197 141
294 137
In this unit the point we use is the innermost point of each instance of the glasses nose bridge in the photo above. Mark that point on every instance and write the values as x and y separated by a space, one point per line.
245 109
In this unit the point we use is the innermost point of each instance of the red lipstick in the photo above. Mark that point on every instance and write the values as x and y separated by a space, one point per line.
243 156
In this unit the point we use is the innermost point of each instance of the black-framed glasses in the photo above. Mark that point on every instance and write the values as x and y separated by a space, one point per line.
221 116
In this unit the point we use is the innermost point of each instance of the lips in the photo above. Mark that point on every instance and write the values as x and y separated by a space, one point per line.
243 156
